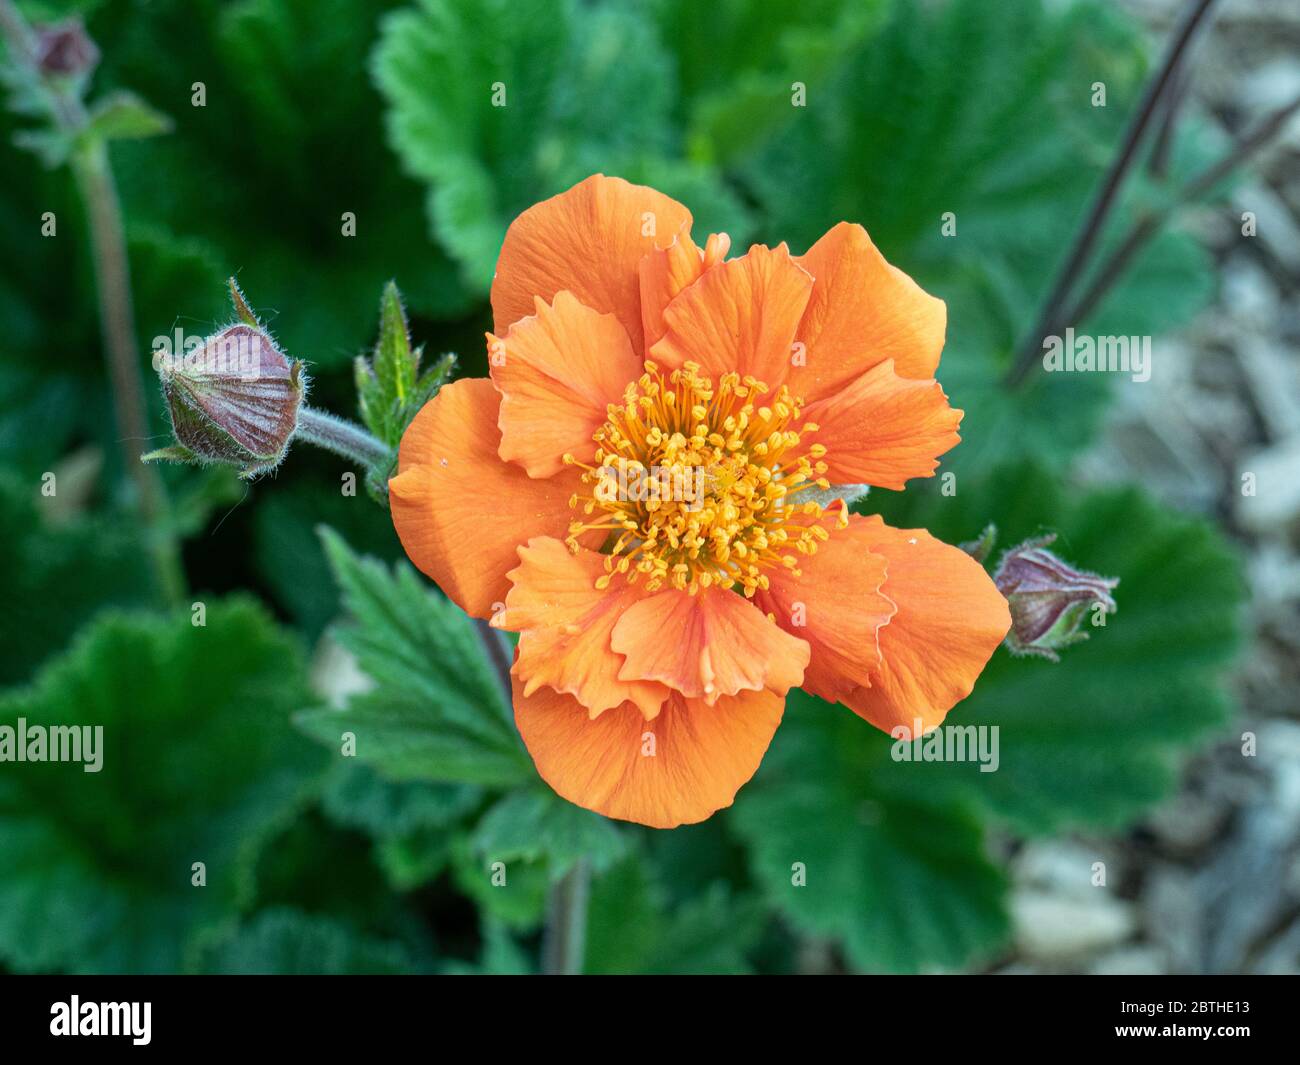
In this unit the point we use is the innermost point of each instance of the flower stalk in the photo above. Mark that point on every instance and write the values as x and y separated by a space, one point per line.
54 75
112 280
341 437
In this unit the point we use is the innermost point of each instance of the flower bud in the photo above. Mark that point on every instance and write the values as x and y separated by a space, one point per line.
1049 599
234 401
64 49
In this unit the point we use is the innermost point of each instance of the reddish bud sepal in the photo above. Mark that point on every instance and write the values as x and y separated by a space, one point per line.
1049 599
235 401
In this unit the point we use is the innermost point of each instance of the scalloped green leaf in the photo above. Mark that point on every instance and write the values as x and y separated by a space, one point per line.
633 929
437 711
57 573
903 884
356 796
283 941
496 105
533 824
739 63
199 764
513 893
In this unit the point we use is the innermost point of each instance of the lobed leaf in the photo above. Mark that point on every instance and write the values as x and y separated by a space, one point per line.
198 765
437 712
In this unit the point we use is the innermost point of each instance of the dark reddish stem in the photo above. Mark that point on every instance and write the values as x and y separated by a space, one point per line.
1103 203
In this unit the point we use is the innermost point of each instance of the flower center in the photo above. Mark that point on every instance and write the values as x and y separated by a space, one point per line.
699 485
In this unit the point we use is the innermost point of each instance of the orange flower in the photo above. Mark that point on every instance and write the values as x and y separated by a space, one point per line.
639 492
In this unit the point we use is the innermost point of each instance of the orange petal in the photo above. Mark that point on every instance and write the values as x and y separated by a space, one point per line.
949 622
740 316
707 645
590 241
862 312
883 429
460 511
666 271
678 769
564 623
557 370
837 606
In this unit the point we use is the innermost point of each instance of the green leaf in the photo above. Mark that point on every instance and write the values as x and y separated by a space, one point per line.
198 765
894 849
395 363
510 893
283 941
124 116
408 638
631 929
356 796
531 99
413 860
738 61
981 113
1092 740
57 572
52 147
266 64
904 884
437 712
500 956
387 379
290 557
535 824
411 738
318 866
412 822
390 388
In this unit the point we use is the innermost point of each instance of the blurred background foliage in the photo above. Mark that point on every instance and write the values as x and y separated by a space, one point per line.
382 863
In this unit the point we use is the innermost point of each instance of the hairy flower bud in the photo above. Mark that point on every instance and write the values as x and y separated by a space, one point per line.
1049 599
233 401
64 49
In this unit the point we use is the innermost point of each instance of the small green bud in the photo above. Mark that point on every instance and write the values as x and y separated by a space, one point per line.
234 401
1049 599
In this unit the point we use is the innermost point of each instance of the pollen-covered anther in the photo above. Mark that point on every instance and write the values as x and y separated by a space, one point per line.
698 484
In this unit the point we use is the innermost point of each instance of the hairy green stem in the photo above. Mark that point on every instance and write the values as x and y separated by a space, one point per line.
341 437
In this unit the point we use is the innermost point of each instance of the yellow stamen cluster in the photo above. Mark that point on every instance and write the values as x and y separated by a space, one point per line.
698 485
